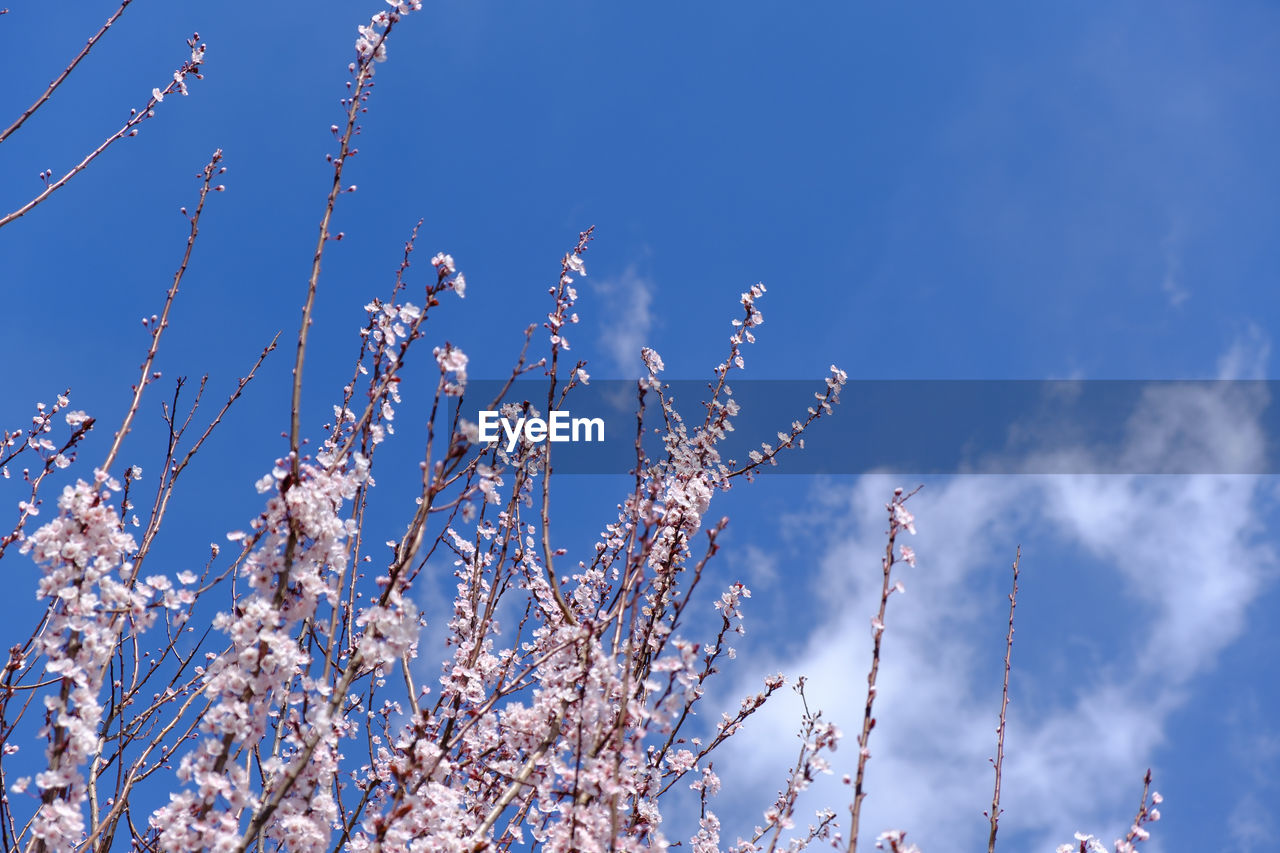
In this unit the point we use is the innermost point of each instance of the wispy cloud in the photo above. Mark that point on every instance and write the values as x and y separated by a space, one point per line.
1172 283
626 319
1253 825
1255 748
1248 357
759 566
1164 569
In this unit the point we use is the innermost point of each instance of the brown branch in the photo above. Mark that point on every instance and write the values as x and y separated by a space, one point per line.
129 128
355 106
176 467
877 632
998 761
158 327
1146 813
66 72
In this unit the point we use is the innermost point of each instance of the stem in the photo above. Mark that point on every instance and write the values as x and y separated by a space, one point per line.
210 170
359 93
129 128
868 721
1004 705
66 72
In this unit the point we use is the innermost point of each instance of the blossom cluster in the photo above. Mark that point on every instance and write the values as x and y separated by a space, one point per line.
93 592
300 545
372 42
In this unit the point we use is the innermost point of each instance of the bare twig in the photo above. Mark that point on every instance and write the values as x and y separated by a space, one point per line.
157 328
175 467
998 761
66 72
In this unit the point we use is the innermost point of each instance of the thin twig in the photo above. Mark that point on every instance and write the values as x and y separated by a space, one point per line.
998 761
1146 814
899 519
66 72
162 323
355 105
129 128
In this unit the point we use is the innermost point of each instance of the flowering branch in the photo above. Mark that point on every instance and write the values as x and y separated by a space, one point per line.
899 520
1147 814
565 711
130 128
370 48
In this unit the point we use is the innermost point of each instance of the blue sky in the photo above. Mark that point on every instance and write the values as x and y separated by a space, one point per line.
929 193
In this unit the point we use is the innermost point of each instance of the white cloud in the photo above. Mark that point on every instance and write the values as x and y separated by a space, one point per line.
1255 748
626 320
760 567
1248 356
1167 567
1253 825
1172 284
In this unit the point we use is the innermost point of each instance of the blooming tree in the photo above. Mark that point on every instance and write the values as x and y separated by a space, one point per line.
272 698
